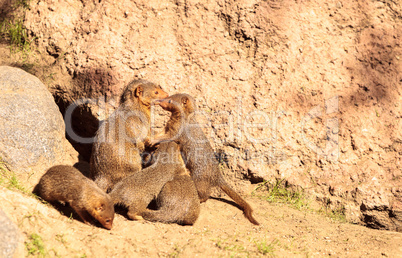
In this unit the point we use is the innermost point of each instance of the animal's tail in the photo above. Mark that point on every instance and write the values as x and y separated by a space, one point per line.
237 198
166 216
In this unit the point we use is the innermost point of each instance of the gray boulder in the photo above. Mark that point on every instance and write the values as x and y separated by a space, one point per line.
9 236
32 130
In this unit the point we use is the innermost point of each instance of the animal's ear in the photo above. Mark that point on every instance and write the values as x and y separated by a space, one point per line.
138 91
184 100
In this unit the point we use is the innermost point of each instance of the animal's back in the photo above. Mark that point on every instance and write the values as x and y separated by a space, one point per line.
177 202
198 154
183 200
113 157
61 183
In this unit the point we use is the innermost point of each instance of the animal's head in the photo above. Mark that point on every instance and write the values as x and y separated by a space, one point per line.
182 103
142 91
103 211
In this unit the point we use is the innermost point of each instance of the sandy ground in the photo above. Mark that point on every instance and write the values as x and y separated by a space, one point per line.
221 231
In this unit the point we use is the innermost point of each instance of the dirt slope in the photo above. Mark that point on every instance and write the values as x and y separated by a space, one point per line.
221 230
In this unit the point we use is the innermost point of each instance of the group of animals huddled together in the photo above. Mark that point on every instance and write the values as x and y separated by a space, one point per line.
122 175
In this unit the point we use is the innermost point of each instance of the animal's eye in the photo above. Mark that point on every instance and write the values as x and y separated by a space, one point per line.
100 207
170 101
156 92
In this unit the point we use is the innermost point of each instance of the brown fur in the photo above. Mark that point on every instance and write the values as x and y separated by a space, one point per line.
138 190
67 184
197 152
177 202
120 139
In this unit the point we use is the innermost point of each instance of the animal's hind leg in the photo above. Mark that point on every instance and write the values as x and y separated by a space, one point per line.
203 189
134 214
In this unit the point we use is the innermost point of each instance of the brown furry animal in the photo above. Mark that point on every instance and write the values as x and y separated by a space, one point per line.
177 202
196 150
67 184
137 190
119 142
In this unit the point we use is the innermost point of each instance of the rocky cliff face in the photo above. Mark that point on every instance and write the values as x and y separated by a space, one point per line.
305 91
